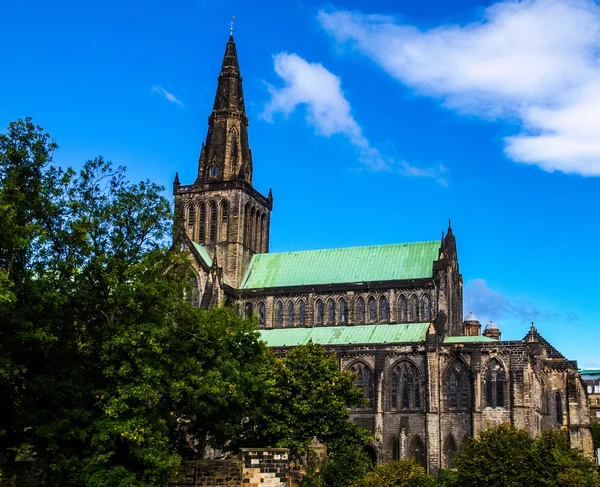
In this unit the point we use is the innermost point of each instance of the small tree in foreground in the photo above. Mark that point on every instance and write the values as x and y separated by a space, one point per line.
401 473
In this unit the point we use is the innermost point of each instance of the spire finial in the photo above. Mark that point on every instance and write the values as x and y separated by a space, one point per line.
231 26
449 226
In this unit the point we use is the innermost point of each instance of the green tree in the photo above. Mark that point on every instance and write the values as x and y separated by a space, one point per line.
401 473
307 397
103 365
501 457
596 435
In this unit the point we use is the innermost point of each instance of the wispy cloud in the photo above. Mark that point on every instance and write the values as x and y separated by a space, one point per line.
536 60
319 91
489 304
169 96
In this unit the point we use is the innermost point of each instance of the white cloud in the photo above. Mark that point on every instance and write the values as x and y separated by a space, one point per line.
536 60
169 96
327 109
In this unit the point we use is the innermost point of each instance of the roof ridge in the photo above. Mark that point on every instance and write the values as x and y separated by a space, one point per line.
349 248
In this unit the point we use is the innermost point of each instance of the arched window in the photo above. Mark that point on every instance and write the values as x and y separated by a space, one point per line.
414 309
343 311
449 451
249 310
191 217
247 225
224 211
213 170
192 292
360 305
301 313
291 313
252 228
330 311
403 308
559 408
459 386
202 232
372 310
395 448
417 451
319 312
279 313
234 150
213 221
261 314
384 309
263 237
426 308
406 391
495 379
365 381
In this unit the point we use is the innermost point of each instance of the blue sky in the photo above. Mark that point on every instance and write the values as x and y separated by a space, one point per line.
373 122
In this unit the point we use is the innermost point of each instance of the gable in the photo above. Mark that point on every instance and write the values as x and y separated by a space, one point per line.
346 265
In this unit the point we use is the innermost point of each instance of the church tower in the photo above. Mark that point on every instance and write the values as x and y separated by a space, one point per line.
221 210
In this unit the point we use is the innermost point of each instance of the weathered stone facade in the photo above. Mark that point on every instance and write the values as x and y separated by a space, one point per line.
426 393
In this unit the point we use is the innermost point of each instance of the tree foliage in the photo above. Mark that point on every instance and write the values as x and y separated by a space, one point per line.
401 473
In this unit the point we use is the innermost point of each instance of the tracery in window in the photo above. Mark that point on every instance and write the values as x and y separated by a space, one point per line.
360 304
426 308
417 451
459 386
414 308
213 221
365 381
384 309
249 311
319 312
301 313
261 314
403 308
330 311
406 393
202 232
279 313
495 379
213 170
372 309
343 311
291 313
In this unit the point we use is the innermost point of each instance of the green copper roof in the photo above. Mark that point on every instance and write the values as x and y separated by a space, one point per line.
203 253
590 372
337 266
346 335
469 339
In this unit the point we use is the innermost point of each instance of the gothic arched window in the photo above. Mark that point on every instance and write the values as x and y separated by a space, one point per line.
417 451
372 309
361 310
343 311
395 448
261 314
202 232
559 408
406 391
234 150
426 308
249 310
192 292
291 313
301 313
279 313
213 221
414 309
224 211
330 311
191 217
384 309
495 380
213 170
365 381
449 451
458 383
319 312
403 308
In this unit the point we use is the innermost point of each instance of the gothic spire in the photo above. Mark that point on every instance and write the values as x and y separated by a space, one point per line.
225 156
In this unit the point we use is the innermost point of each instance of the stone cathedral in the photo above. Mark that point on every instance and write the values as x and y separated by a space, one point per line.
393 314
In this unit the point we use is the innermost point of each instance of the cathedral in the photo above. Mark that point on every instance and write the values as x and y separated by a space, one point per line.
393 314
